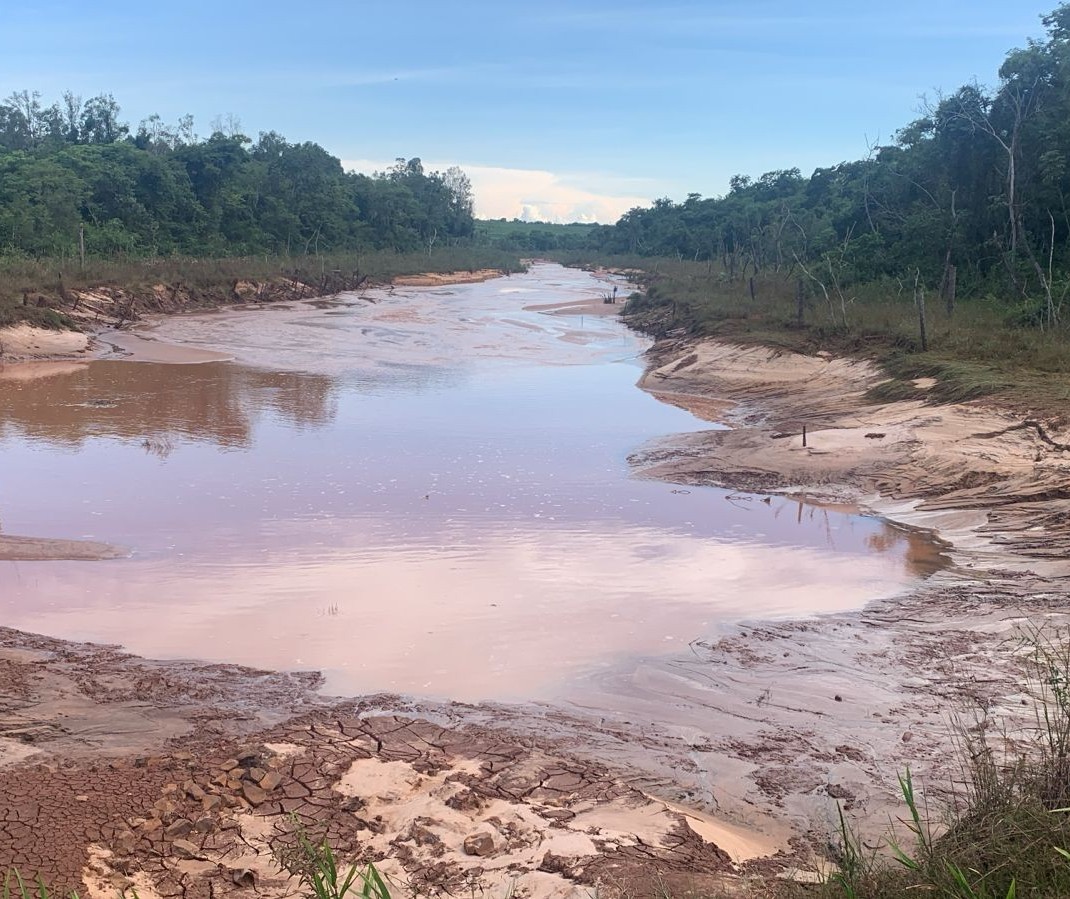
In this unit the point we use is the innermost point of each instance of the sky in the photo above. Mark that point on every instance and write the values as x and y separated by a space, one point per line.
557 110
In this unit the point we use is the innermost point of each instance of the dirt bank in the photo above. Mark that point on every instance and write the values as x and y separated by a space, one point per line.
439 279
994 483
111 308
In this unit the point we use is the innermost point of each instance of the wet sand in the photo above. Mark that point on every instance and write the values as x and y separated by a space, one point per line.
25 342
47 549
759 732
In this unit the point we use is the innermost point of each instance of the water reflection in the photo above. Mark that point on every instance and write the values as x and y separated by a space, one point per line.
217 402
510 615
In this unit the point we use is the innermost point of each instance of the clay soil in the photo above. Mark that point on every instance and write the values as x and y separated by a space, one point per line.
187 779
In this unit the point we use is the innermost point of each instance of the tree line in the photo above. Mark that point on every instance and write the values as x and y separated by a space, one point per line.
969 200
75 178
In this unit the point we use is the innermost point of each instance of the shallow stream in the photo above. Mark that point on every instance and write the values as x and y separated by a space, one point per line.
420 490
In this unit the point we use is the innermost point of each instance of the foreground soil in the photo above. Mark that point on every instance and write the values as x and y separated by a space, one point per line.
186 779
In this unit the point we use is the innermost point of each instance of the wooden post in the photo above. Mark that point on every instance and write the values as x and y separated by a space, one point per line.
81 243
752 289
919 300
804 435
800 302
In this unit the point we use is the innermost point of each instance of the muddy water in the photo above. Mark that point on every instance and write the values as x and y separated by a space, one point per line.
417 490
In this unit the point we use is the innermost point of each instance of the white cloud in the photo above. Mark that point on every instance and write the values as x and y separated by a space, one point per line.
534 194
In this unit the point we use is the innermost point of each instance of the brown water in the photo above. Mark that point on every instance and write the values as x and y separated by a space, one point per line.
427 493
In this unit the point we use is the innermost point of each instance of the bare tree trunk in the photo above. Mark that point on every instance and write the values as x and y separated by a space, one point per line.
821 284
1051 312
950 288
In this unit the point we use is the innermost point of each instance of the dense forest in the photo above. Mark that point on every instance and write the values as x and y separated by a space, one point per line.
971 199
72 174
519 236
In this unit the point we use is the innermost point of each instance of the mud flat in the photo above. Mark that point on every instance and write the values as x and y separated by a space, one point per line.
187 779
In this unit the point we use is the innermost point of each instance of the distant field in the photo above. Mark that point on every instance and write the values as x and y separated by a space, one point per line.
533 236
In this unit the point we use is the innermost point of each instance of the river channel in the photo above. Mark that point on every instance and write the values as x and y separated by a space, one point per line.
418 490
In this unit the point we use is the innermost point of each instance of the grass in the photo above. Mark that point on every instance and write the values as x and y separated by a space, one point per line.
15 887
34 290
1009 834
984 349
314 863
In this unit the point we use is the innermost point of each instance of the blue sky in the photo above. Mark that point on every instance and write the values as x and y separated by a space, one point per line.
562 110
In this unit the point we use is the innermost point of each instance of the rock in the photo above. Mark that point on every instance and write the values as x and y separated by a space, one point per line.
270 781
151 825
248 756
178 828
204 825
125 841
422 835
553 864
839 792
465 800
229 765
243 877
164 807
480 844
193 790
255 774
211 803
184 849
253 793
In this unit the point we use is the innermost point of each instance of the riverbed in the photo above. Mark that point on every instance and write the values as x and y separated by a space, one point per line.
416 490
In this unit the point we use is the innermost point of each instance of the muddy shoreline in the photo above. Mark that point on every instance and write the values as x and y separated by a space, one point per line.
124 764
105 309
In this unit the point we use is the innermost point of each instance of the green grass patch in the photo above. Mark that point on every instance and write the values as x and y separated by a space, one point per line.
981 350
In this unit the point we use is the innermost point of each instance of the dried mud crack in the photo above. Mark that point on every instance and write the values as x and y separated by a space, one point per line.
184 779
